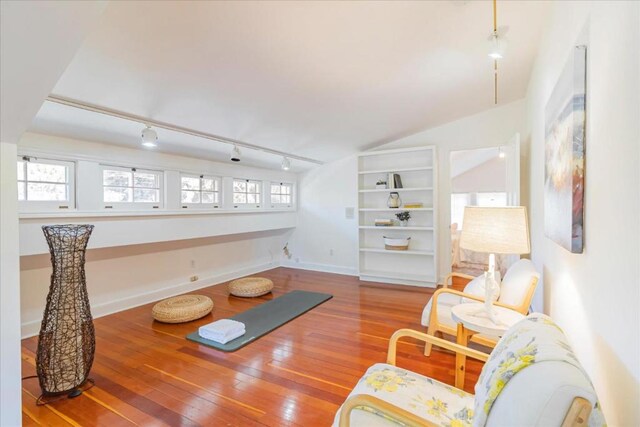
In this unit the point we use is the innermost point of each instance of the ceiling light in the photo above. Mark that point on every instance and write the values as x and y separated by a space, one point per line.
497 46
286 164
235 154
149 137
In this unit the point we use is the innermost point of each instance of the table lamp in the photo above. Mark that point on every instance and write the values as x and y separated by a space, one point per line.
495 230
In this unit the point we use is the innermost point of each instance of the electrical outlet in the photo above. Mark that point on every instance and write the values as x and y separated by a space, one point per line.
193 278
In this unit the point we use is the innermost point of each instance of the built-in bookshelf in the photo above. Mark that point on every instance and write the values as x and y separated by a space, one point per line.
417 170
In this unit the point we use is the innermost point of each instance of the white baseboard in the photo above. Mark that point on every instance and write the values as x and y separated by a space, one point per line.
325 268
32 328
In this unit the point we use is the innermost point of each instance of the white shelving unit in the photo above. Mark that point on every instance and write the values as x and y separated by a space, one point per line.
418 171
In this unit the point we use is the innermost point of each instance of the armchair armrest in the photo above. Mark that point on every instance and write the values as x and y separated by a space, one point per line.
421 336
448 281
364 400
436 295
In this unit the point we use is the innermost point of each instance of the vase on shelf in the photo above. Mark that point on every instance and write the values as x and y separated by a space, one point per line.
394 200
66 344
404 223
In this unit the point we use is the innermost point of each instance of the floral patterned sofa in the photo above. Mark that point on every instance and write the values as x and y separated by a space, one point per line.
531 378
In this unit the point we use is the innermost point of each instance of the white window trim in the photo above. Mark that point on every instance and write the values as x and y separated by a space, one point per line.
281 205
132 206
217 205
53 205
248 205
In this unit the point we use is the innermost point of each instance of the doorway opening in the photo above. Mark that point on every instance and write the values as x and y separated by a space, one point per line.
481 177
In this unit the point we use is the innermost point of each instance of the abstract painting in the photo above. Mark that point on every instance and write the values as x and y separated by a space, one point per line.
564 155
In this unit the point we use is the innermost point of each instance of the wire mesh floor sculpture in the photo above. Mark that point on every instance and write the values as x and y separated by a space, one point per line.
66 344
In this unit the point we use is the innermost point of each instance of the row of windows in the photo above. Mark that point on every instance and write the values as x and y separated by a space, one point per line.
51 182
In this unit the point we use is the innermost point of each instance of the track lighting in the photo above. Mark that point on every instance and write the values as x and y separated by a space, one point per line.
286 163
149 137
235 154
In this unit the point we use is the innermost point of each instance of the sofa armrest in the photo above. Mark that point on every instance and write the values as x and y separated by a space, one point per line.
378 405
421 336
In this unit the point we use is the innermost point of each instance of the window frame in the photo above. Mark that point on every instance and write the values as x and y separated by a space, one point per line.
239 205
133 205
215 205
48 205
290 194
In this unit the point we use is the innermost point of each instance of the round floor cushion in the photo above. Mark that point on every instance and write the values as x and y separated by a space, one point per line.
250 287
183 308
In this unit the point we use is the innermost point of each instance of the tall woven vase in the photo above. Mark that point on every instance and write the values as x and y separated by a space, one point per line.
66 344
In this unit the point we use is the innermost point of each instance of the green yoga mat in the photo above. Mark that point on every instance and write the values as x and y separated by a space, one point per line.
266 317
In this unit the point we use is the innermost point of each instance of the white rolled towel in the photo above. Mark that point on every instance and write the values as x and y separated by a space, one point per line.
222 331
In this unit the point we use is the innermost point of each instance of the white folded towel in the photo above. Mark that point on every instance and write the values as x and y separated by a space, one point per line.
223 339
222 331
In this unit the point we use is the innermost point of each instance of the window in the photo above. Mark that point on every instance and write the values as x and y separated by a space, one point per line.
246 192
45 184
281 194
199 191
131 187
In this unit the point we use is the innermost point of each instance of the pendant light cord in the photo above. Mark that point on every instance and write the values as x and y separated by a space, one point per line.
495 61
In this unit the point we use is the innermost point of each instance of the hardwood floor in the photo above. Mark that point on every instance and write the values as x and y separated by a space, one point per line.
148 374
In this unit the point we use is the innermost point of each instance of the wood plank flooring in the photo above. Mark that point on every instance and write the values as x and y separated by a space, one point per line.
148 374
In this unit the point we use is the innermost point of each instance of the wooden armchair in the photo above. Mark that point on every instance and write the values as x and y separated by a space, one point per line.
556 392
516 291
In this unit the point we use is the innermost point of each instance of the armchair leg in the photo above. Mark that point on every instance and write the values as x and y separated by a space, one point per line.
431 330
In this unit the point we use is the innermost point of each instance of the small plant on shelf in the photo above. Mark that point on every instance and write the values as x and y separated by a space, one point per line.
404 217
381 184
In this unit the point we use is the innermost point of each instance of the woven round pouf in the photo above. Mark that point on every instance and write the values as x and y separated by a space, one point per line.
183 308
250 287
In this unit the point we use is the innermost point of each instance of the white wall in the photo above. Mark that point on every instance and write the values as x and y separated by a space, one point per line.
135 259
489 176
595 296
324 238
329 189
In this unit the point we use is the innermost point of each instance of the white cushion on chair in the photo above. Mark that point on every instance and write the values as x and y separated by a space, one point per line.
445 301
427 398
516 282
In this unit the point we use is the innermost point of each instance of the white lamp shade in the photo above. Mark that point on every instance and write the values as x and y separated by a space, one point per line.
503 230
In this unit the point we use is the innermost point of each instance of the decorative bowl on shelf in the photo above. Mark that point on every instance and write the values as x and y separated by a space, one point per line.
396 244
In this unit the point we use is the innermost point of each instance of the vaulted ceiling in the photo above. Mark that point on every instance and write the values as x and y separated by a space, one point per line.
318 79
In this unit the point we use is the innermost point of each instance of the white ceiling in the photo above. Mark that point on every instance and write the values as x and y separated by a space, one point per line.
318 79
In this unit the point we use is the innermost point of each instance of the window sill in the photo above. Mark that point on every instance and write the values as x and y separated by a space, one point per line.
123 213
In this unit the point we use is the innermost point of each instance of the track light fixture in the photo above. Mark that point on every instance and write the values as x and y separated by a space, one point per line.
286 164
235 154
149 137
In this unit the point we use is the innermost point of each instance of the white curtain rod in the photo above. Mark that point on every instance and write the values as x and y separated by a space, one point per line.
162 125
